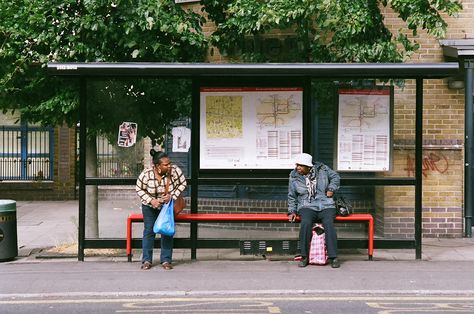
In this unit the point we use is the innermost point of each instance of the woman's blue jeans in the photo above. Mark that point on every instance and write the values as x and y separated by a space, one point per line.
166 254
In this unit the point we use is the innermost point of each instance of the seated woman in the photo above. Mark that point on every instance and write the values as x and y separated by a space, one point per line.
310 190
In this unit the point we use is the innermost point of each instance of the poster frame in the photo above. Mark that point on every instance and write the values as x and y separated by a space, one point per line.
243 82
375 88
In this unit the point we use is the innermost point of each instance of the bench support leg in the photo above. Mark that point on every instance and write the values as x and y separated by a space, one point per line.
194 238
129 239
371 239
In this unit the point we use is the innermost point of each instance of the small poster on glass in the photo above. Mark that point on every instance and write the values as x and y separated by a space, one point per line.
127 135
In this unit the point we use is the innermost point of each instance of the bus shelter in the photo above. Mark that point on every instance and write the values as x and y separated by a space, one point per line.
270 76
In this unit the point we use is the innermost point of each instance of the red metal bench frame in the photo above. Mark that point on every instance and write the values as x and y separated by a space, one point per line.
242 217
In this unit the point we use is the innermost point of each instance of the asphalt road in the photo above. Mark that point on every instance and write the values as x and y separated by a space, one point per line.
322 303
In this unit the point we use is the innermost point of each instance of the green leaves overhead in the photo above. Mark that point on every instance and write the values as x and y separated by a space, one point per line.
326 30
151 103
103 30
425 14
33 33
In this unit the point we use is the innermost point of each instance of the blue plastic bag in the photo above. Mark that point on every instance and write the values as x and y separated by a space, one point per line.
164 224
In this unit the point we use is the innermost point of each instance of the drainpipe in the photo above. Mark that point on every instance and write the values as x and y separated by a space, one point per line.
468 146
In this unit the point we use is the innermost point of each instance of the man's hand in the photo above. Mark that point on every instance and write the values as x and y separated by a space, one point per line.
292 217
329 194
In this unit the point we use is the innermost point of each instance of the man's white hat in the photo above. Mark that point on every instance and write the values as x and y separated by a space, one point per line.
305 160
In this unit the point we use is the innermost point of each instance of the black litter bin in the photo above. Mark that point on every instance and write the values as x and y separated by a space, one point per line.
8 235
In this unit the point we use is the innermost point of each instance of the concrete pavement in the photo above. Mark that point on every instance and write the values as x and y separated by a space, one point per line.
52 226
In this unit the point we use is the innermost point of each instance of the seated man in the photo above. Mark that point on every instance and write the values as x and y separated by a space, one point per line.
310 190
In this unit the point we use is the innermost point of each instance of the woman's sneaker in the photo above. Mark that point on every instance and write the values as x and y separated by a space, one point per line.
146 265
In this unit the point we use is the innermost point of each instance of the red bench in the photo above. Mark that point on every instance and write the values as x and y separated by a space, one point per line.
242 217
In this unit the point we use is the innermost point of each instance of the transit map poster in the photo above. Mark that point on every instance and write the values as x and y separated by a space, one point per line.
250 127
364 129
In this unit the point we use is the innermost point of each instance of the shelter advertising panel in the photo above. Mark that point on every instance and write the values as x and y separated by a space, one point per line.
364 129
250 127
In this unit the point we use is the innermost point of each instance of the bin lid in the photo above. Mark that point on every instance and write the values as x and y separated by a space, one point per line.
7 205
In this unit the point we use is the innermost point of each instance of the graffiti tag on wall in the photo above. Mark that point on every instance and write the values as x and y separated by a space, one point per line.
432 162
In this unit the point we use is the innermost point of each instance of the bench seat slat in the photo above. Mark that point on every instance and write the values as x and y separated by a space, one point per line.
246 217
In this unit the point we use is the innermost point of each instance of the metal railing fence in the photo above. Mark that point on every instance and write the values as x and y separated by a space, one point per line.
26 153
114 161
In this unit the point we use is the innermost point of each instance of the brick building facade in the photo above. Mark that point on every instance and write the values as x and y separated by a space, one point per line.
443 150
443 142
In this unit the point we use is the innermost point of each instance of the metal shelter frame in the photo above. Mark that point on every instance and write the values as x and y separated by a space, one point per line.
303 71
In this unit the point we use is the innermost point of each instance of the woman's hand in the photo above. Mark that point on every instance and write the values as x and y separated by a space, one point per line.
156 202
166 198
292 217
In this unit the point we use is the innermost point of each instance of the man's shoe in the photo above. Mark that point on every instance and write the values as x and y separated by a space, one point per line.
303 262
335 263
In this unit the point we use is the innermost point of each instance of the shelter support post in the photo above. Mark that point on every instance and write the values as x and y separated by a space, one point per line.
195 116
468 146
82 168
418 166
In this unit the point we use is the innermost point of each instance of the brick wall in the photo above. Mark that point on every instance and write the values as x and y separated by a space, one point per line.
442 194
443 136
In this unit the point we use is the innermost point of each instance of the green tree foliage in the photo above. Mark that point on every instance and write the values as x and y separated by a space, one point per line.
33 33
326 30
151 103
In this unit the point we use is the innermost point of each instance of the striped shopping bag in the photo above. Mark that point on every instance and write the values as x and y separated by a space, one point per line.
317 250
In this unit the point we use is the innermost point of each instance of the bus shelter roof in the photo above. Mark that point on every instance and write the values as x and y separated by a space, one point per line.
316 70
